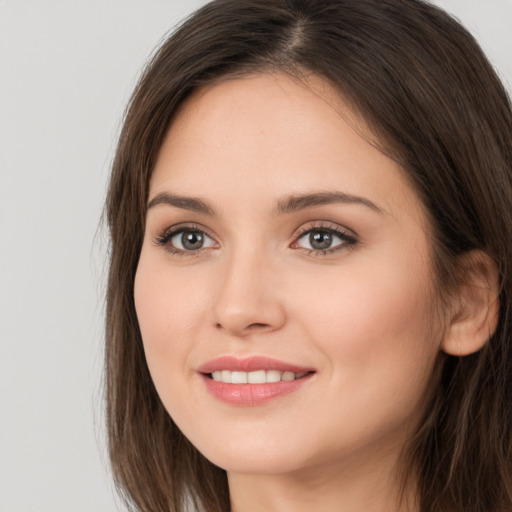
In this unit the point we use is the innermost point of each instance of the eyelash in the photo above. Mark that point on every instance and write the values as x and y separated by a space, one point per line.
164 238
349 240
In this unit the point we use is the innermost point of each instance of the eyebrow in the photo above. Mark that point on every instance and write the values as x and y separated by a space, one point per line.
187 203
301 202
287 205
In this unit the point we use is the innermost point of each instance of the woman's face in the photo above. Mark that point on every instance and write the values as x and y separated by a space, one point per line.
289 259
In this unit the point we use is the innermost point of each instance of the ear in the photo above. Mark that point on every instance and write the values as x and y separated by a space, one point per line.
475 306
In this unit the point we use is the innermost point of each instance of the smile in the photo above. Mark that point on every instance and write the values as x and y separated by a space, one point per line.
252 381
256 377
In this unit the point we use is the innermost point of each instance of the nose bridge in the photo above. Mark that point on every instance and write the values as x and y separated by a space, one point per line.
247 299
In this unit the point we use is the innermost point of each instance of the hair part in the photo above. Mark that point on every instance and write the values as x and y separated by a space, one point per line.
425 89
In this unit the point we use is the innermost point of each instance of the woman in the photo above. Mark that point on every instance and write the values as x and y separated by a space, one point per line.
309 292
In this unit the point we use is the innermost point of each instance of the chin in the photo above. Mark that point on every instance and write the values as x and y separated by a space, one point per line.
269 463
253 454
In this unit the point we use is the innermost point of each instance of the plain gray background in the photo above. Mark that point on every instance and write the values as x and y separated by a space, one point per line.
67 68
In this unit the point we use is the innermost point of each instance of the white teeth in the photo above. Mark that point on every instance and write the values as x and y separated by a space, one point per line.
256 377
273 376
239 377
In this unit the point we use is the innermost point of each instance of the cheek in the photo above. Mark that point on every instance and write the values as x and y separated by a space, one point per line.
373 314
376 331
167 313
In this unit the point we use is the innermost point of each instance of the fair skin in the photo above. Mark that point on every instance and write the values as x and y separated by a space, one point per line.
341 287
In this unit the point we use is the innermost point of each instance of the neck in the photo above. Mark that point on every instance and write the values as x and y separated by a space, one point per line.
373 487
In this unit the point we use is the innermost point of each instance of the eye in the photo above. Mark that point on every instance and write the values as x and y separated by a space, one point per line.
188 240
184 240
324 240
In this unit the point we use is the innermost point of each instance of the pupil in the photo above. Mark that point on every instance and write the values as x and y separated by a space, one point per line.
320 240
192 240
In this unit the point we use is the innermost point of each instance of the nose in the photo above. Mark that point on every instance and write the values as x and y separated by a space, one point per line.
249 299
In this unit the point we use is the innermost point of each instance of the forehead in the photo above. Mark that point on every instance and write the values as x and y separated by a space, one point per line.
259 104
271 134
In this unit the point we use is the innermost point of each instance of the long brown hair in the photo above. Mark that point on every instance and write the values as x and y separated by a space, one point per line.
425 88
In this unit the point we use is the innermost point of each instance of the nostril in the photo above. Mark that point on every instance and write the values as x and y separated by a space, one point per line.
257 326
254 326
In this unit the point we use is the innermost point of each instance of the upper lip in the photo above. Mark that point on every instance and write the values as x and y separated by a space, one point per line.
249 364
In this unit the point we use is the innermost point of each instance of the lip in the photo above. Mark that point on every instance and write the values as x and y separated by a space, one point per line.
251 394
250 364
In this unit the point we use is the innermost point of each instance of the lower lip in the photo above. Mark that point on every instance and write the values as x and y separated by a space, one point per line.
252 394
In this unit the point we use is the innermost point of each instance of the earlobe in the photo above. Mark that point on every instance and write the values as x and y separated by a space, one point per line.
475 306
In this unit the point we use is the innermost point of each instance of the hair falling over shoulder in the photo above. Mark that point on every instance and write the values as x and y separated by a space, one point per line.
438 108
